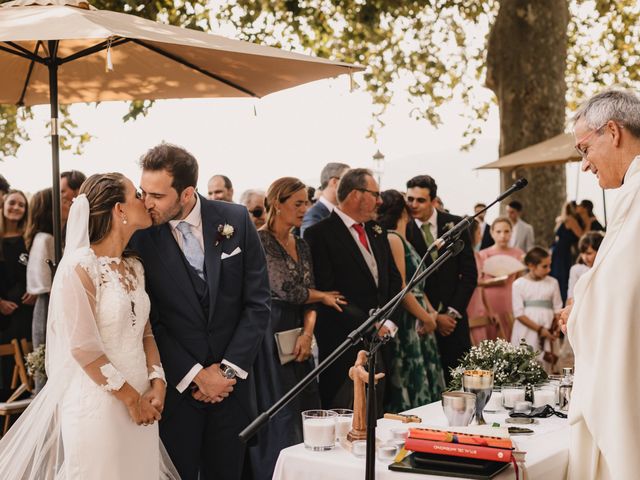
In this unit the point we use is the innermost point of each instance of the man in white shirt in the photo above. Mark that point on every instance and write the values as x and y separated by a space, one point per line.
206 275
522 233
351 255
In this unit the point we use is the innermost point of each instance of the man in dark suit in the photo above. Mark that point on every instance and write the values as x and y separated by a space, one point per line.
351 254
485 228
207 279
329 178
451 287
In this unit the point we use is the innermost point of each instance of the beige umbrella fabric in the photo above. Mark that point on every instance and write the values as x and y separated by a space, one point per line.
559 149
66 51
150 60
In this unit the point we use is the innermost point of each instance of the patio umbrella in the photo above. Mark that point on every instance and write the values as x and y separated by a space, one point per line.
558 149
67 51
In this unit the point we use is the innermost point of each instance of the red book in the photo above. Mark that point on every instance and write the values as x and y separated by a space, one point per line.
458 450
457 437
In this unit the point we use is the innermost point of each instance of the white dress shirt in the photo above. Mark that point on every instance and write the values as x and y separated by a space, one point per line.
330 206
194 219
433 224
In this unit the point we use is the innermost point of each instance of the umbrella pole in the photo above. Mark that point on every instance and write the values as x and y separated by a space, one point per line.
52 63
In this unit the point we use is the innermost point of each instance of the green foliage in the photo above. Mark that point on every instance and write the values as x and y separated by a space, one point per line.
436 50
193 14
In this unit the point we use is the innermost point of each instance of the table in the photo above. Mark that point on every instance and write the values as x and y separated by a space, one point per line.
547 452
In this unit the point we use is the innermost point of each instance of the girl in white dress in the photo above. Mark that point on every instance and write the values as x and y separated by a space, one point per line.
536 305
96 418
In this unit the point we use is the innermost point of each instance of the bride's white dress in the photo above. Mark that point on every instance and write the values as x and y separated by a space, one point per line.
100 439
98 338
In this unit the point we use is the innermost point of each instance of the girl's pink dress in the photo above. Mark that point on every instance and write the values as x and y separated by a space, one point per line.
499 297
477 309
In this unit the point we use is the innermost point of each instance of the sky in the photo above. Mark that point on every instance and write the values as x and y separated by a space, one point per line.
289 133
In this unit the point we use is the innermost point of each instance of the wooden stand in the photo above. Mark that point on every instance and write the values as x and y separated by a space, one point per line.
358 373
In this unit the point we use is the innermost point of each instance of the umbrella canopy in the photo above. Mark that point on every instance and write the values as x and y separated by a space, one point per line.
559 149
66 51
150 60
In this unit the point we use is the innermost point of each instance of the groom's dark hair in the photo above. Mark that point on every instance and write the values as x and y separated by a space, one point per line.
178 162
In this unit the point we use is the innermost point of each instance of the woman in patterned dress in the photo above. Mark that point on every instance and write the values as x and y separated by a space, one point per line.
416 376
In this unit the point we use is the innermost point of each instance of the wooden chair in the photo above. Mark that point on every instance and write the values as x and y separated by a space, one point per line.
13 406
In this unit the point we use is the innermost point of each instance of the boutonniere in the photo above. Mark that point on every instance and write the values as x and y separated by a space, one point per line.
377 229
448 226
224 232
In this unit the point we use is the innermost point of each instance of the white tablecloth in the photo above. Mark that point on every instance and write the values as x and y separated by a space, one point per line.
547 452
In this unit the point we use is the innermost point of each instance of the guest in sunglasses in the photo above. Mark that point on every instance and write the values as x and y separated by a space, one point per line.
254 201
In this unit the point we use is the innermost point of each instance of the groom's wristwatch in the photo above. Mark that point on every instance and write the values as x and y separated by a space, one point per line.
227 371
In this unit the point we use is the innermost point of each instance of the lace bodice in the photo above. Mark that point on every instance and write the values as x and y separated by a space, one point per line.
122 311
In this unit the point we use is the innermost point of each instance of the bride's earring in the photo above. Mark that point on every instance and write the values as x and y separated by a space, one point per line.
124 219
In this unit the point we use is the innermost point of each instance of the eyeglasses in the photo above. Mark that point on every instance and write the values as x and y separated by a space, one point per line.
372 192
582 151
257 212
416 199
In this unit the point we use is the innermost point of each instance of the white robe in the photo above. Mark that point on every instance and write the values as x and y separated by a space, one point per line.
603 331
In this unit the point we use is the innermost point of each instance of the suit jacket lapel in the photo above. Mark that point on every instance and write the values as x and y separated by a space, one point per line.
173 260
375 250
212 249
345 237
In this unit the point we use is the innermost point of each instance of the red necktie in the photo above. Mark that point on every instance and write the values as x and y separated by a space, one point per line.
362 236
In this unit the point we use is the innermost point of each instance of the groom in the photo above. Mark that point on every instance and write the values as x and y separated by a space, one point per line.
206 275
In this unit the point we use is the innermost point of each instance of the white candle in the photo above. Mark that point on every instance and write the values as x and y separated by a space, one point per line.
495 402
343 425
512 395
544 397
319 433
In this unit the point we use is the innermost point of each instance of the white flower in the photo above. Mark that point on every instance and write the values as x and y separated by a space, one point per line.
377 229
226 231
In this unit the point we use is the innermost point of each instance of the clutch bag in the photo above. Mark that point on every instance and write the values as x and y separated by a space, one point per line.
286 342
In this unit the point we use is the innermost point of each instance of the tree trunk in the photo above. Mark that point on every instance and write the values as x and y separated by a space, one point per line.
526 63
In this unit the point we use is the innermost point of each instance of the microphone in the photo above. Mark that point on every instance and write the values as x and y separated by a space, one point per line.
519 185
465 223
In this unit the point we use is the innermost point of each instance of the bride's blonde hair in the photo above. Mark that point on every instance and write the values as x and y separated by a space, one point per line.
103 191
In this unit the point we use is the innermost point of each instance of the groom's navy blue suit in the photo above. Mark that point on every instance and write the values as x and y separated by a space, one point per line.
195 321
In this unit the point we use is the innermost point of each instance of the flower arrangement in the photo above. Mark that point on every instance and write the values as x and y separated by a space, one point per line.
35 363
510 364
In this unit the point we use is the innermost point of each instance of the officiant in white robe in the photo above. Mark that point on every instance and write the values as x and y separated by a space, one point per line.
603 324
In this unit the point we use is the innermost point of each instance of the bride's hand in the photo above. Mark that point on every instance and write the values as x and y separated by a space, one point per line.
144 413
156 394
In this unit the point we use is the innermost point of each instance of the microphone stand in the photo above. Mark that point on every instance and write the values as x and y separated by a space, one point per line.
452 245
352 339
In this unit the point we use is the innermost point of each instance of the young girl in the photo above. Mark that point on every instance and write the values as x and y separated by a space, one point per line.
588 247
498 292
536 306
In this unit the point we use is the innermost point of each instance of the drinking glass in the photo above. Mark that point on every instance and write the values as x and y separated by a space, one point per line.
319 429
479 382
512 394
459 408
343 422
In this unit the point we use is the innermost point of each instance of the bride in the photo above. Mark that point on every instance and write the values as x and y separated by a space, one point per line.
97 416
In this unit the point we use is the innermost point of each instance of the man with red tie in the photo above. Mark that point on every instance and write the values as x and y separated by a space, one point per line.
351 255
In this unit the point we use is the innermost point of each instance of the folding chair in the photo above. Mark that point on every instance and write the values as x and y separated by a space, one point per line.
13 406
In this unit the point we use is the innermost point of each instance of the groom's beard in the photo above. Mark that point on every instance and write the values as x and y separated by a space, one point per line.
159 218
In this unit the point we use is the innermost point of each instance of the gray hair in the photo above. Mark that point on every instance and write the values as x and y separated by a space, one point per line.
247 194
620 105
353 179
331 170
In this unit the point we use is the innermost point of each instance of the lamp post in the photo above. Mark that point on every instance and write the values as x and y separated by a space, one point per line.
378 165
